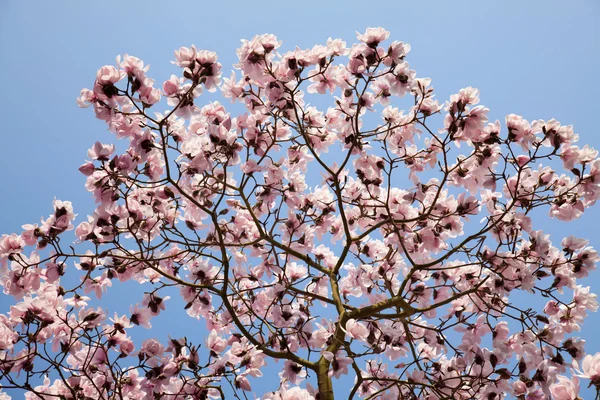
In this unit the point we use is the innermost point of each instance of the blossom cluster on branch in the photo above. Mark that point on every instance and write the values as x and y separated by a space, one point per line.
326 231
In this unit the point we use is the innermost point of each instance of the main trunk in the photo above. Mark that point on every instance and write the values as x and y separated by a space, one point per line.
324 381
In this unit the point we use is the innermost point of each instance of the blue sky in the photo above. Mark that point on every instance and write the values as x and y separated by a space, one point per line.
539 59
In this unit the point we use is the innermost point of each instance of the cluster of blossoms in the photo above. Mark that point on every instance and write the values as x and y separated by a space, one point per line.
285 233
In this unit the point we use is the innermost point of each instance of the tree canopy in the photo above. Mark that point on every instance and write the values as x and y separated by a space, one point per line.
343 222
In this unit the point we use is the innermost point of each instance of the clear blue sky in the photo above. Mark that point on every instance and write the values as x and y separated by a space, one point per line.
539 59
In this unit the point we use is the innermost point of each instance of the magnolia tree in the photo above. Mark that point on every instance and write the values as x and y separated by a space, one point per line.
350 237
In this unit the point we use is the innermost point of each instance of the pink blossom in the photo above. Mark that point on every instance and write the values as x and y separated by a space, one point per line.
289 393
573 243
184 56
152 348
87 169
11 244
141 316
590 368
149 95
396 52
108 75
356 330
86 98
373 36
171 86
132 65
101 152
565 388
241 382
292 373
8 336
339 363
215 343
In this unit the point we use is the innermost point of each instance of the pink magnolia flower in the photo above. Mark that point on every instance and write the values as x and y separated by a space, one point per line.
86 98
396 52
141 316
108 75
339 363
566 388
402 80
77 301
8 335
155 303
373 36
336 47
292 373
231 88
132 65
171 86
323 81
184 56
567 212
149 95
152 348
241 382
584 299
573 243
101 152
87 169
216 343
11 244
289 393
551 308
590 368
